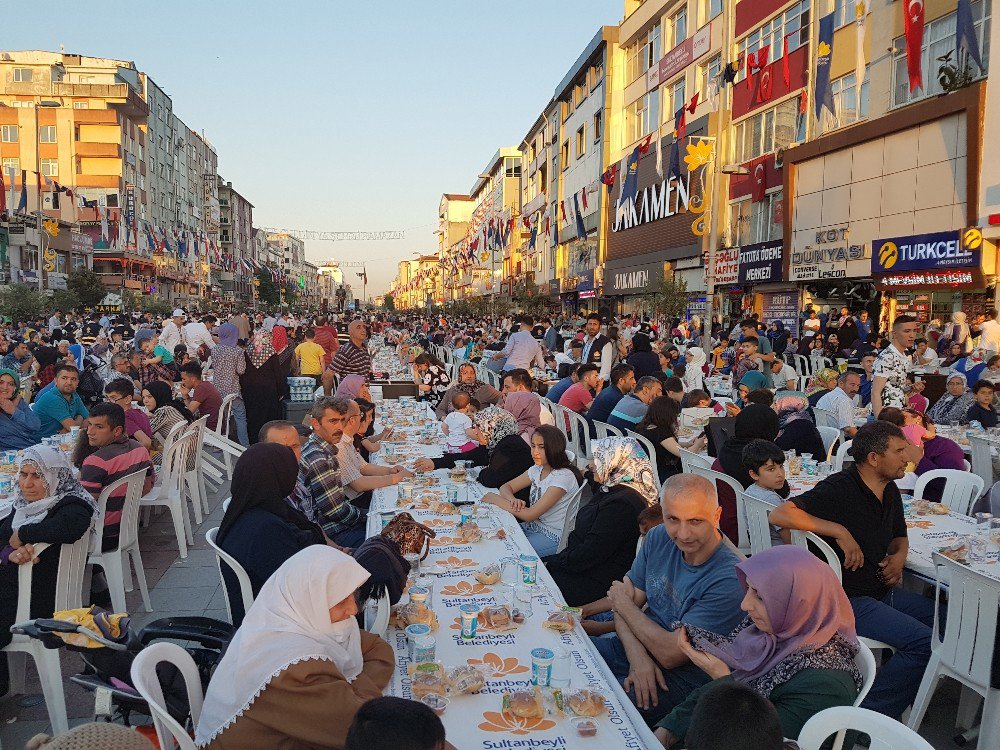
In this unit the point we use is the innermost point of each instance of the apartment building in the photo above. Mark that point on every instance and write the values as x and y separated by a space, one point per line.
496 194
458 270
236 241
539 186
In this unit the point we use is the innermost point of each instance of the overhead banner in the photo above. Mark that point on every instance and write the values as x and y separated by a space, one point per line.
760 263
938 251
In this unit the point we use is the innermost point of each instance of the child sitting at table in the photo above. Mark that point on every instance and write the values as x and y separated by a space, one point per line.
915 398
457 422
765 463
982 411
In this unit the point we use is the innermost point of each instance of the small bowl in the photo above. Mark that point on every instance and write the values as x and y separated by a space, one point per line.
585 726
435 703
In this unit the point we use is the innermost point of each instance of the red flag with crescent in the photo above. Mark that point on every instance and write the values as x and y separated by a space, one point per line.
913 29
758 175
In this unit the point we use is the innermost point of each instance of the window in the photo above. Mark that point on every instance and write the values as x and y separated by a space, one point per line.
8 133
765 131
845 99
50 167
596 74
512 166
751 222
707 10
793 23
643 54
564 155
598 124
707 73
11 165
21 104
47 134
581 141
81 105
22 75
678 27
642 116
939 40
579 92
674 97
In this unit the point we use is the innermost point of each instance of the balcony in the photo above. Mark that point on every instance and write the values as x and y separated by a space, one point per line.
90 148
119 95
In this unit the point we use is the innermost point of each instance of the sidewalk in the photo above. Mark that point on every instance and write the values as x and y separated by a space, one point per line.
176 587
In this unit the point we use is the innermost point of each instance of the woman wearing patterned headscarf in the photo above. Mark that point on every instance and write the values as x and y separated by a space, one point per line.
601 547
49 505
502 452
263 383
796 429
469 383
822 383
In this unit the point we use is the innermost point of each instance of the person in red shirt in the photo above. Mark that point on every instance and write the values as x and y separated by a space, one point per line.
579 396
204 397
326 336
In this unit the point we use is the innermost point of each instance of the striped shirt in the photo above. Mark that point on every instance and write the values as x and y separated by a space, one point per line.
352 360
106 466
319 473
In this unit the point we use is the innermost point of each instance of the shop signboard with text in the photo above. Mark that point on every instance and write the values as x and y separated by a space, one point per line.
826 253
760 263
783 306
727 266
938 251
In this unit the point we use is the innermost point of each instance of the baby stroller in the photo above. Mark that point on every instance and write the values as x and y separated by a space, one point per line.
108 647
91 387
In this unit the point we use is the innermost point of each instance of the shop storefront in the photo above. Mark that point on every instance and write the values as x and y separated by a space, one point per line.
629 285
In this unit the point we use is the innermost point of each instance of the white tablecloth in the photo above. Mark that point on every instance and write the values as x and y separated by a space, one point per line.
476 722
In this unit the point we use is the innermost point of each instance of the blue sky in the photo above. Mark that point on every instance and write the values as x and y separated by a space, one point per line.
339 116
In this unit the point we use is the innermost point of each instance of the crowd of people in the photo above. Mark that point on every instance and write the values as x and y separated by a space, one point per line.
684 621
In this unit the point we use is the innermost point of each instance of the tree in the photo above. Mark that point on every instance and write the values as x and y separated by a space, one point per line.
669 298
389 303
64 299
19 302
87 286
268 290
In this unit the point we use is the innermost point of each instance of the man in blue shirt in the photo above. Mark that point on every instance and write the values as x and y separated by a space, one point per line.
686 573
622 382
555 392
61 408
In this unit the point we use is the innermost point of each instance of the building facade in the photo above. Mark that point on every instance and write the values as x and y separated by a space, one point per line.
236 241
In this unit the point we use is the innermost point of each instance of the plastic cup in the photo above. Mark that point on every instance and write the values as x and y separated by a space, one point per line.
541 666
412 633
413 558
419 595
424 648
470 621
528 567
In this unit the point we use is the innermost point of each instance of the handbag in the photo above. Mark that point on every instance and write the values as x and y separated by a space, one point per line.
412 537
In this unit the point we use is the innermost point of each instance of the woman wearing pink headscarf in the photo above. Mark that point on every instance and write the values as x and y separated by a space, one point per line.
796 647
263 383
354 386
526 410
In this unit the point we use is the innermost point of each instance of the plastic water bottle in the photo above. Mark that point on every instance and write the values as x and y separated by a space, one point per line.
560 667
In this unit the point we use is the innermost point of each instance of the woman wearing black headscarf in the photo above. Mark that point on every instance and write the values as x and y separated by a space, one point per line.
755 422
643 359
261 529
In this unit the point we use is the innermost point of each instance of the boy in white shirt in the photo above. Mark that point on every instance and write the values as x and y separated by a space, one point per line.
458 422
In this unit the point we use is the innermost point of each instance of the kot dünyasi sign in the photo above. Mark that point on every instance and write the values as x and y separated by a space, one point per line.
760 263
658 201
923 252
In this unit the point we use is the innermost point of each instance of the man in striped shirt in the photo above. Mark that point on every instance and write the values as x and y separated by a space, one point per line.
352 358
113 455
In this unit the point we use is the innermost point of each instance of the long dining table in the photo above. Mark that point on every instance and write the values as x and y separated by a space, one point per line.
482 720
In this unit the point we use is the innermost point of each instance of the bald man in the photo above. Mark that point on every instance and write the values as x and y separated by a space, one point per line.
685 572
352 358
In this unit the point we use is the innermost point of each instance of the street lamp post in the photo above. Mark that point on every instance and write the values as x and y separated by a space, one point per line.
38 172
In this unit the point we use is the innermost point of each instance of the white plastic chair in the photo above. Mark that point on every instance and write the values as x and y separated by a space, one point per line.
603 430
690 460
569 523
966 652
69 595
196 469
830 436
377 615
578 433
741 514
221 556
169 491
225 412
961 489
802 365
113 562
885 733
647 446
824 417
758 525
571 456
842 455
982 461
169 732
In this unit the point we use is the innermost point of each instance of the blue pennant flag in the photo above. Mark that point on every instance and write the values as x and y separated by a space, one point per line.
824 54
966 44
630 181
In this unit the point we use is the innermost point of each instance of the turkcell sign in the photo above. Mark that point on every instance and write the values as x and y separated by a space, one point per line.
658 201
922 252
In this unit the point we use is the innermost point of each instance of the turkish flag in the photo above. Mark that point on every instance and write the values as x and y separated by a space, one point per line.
751 64
583 197
913 28
758 179
786 73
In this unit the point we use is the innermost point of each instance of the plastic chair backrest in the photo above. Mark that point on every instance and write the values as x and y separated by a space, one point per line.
971 623
690 459
172 435
824 417
128 533
842 455
885 733
578 432
221 556
570 521
982 462
807 538
198 427
146 681
650 451
69 578
571 456
225 411
741 515
830 436
377 615
961 489
758 526
604 430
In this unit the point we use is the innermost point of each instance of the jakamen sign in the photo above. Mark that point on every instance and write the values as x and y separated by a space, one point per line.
669 197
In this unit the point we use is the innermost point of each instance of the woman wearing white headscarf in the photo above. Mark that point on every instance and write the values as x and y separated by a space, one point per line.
601 547
50 505
954 405
958 332
299 667
694 376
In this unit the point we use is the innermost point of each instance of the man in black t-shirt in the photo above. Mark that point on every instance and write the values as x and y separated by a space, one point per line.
859 512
